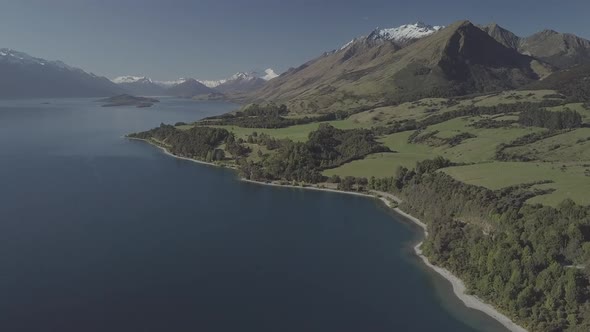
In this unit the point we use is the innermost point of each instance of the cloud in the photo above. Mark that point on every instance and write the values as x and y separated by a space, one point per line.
270 74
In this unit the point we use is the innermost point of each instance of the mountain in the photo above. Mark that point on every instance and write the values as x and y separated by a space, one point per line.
571 82
189 88
269 74
393 65
405 34
24 76
561 50
240 83
142 86
502 35
169 84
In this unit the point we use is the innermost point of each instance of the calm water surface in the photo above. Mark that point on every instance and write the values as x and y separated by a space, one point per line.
99 233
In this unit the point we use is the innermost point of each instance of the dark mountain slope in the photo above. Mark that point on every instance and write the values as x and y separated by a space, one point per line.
189 89
456 60
23 76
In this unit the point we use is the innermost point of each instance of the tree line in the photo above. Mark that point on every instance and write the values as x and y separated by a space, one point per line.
531 261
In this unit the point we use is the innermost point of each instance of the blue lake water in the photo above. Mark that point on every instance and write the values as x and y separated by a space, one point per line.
100 233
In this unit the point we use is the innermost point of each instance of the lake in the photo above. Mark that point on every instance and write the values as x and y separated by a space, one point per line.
101 233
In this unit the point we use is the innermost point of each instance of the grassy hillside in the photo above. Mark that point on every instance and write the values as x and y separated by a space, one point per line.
458 60
462 140
495 176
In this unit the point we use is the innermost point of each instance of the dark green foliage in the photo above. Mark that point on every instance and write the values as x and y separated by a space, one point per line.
573 83
416 138
431 139
458 139
270 109
263 139
327 147
432 165
396 127
334 179
486 110
236 148
196 142
491 123
528 260
347 183
269 122
566 119
333 147
502 155
268 116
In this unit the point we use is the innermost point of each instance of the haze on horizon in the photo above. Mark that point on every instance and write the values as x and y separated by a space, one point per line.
211 39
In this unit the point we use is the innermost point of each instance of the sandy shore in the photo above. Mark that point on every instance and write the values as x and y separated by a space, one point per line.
307 188
170 154
458 285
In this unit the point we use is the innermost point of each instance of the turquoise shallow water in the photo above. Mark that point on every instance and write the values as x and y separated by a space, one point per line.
100 233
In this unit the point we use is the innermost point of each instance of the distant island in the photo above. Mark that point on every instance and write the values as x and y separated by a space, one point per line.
128 100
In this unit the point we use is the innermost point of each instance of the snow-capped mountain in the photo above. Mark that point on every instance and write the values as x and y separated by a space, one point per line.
189 88
25 76
406 32
401 35
269 74
240 82
132 79
15 57
169 84
140 85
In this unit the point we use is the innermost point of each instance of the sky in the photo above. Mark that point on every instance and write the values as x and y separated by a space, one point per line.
212 39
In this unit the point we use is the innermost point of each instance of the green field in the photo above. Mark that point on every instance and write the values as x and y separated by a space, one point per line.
296 133
479 149
377 165
421 109
563 159
570 146
578 107
569 181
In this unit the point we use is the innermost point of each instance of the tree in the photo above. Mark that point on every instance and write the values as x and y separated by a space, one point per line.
347 183
218 154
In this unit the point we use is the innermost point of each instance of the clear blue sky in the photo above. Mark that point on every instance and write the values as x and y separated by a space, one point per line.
210 39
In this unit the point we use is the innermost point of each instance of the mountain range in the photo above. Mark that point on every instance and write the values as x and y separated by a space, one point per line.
239 83
562 50
387 66
24 76
413 61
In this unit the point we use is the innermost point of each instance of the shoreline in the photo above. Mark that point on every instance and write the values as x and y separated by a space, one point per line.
458 286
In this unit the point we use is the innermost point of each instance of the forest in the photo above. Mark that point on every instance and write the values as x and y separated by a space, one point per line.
526 259
327 147
198 142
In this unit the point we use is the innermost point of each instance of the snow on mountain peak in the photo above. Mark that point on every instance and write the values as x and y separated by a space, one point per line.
168 84
241 76
131 79
8 55
400 34
405 32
